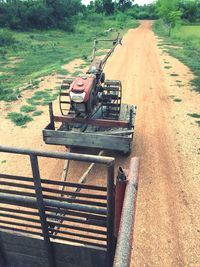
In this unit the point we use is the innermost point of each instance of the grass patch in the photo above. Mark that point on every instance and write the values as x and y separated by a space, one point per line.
194 115
174 74
44 52
27 109
198 123
62 72
18 118
42 98
76 73
185 45
37 113
167 67
177 100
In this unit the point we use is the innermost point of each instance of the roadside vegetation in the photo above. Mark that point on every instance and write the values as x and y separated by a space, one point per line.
38 37
179 27
26 56
183 40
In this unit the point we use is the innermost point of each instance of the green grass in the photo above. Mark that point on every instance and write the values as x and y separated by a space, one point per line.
174 74
42 53
18 118
177 100
27 109
42 98
198 122
37 113
185 42
194 115
167 67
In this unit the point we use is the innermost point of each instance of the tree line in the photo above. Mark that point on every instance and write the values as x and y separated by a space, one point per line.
39 14
63 14
174 11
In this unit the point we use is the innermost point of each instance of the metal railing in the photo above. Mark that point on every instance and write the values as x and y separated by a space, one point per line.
81 217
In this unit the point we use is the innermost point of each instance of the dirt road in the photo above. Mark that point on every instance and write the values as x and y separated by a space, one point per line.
167 230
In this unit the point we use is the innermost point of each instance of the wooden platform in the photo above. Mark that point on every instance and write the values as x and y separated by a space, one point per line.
95 136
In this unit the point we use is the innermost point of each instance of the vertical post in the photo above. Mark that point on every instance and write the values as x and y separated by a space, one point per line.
131 119
51 116
41 209
110 214
120 189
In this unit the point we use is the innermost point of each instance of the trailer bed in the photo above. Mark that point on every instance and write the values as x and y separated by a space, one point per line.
98 133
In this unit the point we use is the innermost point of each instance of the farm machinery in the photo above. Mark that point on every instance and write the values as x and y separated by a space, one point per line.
63 221
92 113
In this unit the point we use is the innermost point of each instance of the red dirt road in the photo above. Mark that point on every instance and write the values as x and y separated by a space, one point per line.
167 229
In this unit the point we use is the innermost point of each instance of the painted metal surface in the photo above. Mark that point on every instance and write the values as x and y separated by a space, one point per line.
125 237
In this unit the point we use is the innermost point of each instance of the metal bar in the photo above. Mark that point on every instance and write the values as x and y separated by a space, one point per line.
19 211
77 241
31 203
14 192
53 182
59 155
110 214
125 237
88 230
41 209
76 214
75 193
68 219
15 177
81 181
82 186
120 189
21 224
79 235
73 200
51 116
20 230
94 122
19 217
20 185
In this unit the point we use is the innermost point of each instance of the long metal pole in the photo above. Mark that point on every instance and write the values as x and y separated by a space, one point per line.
41 209
59 155
110 215
125 236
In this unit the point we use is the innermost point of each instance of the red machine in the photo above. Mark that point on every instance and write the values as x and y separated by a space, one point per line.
92 113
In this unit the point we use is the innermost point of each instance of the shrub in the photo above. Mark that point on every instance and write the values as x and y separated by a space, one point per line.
18 118
6 38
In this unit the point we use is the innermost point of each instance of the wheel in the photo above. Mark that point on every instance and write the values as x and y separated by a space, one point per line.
111 99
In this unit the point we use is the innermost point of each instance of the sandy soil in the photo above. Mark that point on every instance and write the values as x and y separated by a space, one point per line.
167 229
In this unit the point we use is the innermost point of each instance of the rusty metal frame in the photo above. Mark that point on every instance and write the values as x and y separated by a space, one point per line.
125 236
94 122
39 202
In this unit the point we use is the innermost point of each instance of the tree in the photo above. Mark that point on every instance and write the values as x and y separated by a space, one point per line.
108 7
169 11
190 10
125 4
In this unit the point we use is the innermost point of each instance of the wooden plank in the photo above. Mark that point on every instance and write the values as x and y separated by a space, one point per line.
119 143
94 122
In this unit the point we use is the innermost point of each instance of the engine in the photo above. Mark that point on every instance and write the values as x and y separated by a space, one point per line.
82 94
